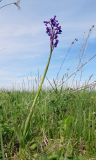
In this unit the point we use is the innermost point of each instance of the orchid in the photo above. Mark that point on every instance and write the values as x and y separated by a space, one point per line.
53 29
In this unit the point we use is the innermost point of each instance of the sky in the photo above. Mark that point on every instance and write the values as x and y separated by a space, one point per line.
24 44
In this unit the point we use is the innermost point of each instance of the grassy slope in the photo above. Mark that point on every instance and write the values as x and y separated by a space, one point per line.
63 125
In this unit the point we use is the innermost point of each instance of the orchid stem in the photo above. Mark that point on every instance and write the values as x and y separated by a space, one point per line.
27 122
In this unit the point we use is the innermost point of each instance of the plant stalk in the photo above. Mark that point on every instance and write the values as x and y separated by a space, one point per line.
27 122
2 148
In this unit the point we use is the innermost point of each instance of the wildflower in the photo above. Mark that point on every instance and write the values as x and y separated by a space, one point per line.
53 29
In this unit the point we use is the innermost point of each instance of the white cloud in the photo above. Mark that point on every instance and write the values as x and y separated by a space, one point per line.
22 34
16 30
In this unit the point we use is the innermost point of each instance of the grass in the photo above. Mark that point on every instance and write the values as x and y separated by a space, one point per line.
63 125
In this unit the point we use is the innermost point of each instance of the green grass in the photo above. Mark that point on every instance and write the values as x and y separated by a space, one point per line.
63 126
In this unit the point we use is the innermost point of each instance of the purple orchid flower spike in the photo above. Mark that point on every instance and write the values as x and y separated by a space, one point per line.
53 29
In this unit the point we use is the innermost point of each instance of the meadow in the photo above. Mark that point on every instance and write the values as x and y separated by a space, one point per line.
55 123
63 125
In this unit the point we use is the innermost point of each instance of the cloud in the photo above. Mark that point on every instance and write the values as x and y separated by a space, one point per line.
24 43
18 30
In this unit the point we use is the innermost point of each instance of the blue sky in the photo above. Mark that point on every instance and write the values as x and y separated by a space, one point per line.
24 45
